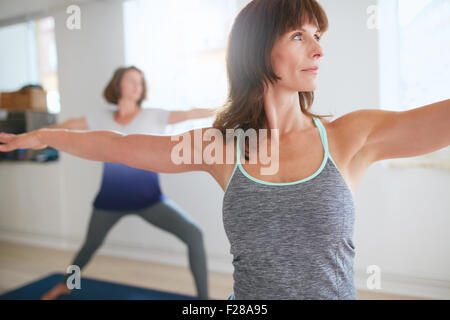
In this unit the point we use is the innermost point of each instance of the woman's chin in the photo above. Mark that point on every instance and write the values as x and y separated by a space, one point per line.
133 98
307 89
306 86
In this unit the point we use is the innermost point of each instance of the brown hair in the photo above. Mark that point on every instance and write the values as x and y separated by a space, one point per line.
112 92
249 66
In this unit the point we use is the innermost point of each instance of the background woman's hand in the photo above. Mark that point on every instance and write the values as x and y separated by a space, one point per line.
29 140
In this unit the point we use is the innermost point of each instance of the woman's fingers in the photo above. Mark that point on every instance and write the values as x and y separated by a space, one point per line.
7 138
7 147
20 141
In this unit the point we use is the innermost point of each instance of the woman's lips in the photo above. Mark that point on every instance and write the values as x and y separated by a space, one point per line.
312 70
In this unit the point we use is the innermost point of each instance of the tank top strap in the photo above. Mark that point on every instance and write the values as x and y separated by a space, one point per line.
323 134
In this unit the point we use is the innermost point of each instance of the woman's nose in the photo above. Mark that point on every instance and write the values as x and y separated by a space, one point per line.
318 50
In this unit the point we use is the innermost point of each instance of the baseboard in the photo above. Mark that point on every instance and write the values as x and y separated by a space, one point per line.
118 249
406 285
161 255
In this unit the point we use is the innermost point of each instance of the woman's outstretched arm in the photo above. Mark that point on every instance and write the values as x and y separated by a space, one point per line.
143 151
389 135
162 153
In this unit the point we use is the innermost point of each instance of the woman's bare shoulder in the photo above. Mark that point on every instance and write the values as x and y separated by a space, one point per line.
218 150
344 133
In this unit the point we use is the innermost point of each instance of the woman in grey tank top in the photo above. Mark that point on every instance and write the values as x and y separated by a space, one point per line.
290 238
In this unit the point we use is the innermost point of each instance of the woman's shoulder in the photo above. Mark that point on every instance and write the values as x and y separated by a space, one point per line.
326 120
99 117
345 136
153 110
160 115
104 111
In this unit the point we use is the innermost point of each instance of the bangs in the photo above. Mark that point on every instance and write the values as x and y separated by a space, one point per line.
295 14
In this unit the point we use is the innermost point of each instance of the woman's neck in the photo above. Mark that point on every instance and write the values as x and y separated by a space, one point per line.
283 112
127 108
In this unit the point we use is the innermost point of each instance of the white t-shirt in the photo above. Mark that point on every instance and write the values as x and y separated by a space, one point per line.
147 121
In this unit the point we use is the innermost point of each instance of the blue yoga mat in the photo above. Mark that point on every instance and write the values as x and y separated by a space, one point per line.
90 290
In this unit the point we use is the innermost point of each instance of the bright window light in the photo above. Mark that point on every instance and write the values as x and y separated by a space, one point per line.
181 47
414 63
409 9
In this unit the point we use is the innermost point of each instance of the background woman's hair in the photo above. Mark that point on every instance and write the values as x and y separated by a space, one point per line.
249 67
112 92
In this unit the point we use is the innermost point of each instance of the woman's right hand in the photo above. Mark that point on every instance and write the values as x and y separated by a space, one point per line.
29 140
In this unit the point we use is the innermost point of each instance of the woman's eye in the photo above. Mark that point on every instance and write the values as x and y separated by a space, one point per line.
297 36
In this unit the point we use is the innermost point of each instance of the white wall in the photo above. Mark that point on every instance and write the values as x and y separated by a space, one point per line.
402 216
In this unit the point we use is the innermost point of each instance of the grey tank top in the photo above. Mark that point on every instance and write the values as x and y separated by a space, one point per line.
291 240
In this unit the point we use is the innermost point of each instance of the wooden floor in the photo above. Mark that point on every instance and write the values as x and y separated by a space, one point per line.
21 264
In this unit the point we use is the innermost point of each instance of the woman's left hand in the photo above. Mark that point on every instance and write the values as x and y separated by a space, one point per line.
29 140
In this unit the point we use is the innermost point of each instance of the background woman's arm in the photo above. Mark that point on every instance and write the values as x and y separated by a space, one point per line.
72 124
180 116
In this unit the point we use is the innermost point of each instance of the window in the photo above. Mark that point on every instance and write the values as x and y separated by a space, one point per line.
414 63
181 47
30 58
48 62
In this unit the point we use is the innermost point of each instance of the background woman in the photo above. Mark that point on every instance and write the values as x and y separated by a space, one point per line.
125 190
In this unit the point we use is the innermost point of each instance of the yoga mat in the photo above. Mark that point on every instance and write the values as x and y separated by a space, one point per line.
91 289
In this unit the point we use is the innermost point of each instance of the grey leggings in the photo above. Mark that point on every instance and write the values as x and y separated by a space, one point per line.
166 215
